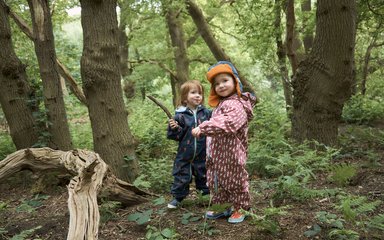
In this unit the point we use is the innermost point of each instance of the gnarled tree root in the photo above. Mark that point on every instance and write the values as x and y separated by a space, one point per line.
91 177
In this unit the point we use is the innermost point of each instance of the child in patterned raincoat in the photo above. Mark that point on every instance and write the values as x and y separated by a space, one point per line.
227 132
191 153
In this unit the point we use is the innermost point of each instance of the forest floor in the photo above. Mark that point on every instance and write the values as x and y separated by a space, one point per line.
45 216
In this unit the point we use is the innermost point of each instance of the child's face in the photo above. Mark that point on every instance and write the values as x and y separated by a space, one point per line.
194 98
224 85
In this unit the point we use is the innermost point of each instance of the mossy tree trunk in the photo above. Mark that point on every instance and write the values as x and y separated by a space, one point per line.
176 32
14 90
58 128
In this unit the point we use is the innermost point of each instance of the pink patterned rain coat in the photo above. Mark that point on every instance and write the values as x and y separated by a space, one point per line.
227 132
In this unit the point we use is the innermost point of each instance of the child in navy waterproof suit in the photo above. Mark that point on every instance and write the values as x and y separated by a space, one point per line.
191 153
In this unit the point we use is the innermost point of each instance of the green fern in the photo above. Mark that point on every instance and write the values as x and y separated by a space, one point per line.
376 222
352 206
342 173
290 186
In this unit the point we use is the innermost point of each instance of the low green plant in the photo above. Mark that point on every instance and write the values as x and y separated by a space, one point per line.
6 147
3 231
25 234
377 222
288 186
157 174
140 217
31 204
266 221
189 217
345 234
3 205
108 210
207 228
356 207
342 173
201 200
154 233
328 219
362 109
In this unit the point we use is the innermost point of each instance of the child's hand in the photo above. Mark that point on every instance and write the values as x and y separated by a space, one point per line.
196 132
173 124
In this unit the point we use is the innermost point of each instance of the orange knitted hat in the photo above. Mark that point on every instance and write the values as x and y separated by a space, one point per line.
213 71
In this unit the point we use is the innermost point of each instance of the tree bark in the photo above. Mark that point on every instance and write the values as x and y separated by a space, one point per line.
14 90
91 177
100 72
176 33
62 69
367 58
53 97
206 33
290 34
323 80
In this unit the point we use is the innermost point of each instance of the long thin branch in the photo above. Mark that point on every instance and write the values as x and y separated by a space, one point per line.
165 109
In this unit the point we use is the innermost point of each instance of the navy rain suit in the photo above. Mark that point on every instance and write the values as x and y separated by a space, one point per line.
191 154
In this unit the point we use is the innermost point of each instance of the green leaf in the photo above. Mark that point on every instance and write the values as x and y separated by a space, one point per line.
194 219
143 219
159 201
168 233
134 216
316 229
187 215
184 221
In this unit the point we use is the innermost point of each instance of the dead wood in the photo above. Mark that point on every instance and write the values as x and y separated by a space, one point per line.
91 177
164 108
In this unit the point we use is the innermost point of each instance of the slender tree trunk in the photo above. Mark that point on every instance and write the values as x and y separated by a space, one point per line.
62 69
323 80
176 33
206 33
100 72
367 58
129 86
14 90
308 34
46 56
281 55
290 35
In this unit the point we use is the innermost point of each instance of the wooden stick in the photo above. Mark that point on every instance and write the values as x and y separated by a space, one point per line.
165 109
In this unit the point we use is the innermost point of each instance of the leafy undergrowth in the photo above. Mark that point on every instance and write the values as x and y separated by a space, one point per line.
342 199
29 216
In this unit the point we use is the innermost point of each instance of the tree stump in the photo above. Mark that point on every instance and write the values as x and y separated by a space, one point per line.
91 177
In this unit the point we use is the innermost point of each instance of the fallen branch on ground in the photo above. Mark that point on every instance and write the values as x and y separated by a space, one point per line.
91 177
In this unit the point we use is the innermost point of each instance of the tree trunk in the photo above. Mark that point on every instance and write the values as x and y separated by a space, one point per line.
53 97
176 33
323 80
281 58
14 90
100 72
206 33
91 177
367 58
290 34
62 69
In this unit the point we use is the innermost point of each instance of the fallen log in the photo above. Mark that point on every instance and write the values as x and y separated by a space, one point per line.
91 176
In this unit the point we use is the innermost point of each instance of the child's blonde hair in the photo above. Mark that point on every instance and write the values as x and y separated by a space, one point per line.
186 87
